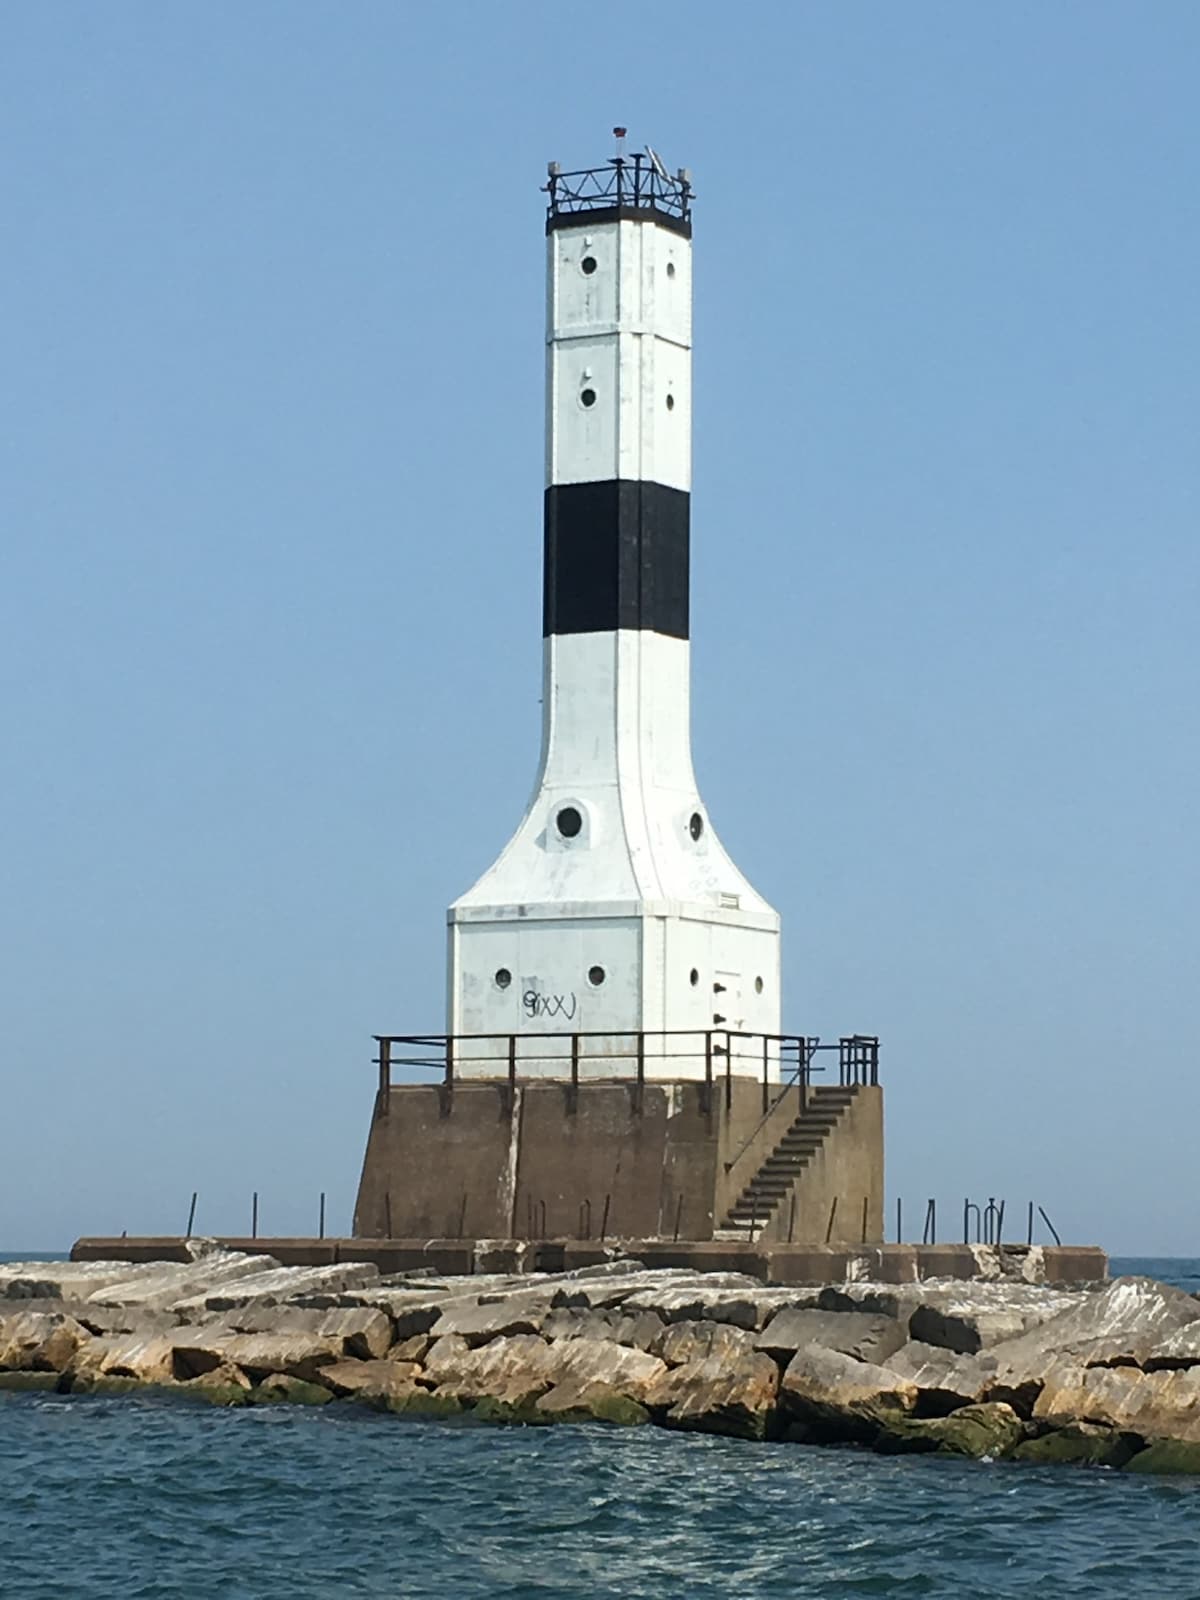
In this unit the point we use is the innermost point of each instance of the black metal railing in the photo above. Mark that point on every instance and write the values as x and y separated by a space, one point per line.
986 1221
630 183
778 1060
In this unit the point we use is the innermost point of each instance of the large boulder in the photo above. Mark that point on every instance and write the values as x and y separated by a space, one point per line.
499 1319
637 1328
1083 1444
858 1334
412 1312
700 1302
298 1355
148 1358
40 1341
980 1431
575 1401
605 1291
515 1371
65 1280
369 1380
1178 1349
282 1388
680 1343
447 1360
826 1395
1166 1455
1123 1324
1163 1404
729 1392
360 1332
945 1380
519 1369
966 1329
275 1284
627 1371
170 1284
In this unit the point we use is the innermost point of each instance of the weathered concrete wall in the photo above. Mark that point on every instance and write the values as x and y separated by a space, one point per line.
439 1166
553 1166
557 1165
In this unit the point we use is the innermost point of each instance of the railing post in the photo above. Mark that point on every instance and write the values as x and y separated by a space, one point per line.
641 1069
573 1095
766 1093
728 1075
707 1103
512 1073
385 1075
447 1093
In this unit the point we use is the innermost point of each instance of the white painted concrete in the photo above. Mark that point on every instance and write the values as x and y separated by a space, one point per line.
633 924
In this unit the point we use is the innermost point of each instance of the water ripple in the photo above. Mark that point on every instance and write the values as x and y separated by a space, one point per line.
142 1500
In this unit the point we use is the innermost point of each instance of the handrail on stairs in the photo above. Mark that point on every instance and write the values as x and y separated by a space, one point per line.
807 1050
858 1063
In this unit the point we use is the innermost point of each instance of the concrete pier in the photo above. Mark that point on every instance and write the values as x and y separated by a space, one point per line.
769 1263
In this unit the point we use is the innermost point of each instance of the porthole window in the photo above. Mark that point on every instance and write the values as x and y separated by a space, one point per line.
693 977
587 397
568 822
596 976
670 269
670 402
758 985
696 825
503 978
588 265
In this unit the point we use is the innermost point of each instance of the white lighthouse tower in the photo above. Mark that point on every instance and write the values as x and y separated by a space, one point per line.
614 918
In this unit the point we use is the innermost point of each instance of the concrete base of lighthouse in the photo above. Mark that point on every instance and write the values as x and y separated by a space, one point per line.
683 1160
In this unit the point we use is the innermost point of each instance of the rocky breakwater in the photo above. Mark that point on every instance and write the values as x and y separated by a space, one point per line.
1107 1375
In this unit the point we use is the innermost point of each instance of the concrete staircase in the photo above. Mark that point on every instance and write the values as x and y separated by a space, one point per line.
775 1180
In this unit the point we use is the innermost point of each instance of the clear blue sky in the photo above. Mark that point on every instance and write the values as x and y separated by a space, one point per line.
270 497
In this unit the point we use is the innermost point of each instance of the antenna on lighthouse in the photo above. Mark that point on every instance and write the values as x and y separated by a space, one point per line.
656 161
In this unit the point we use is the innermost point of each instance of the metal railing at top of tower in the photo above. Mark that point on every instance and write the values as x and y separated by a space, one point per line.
780 1061
634 181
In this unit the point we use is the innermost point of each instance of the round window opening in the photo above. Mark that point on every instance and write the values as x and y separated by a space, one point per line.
503 977
568 822
696 825
596 976
758 986
670 402
670 269
693 977
588 265
587 397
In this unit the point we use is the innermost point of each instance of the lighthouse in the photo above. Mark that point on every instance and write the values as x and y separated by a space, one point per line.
614 919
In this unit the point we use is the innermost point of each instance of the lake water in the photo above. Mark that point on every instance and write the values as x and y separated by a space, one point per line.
141 1499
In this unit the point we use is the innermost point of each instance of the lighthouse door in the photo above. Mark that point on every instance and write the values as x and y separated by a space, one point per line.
727 1000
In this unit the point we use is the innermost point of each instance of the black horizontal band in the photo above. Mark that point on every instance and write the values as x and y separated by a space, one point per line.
616 556
594 216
